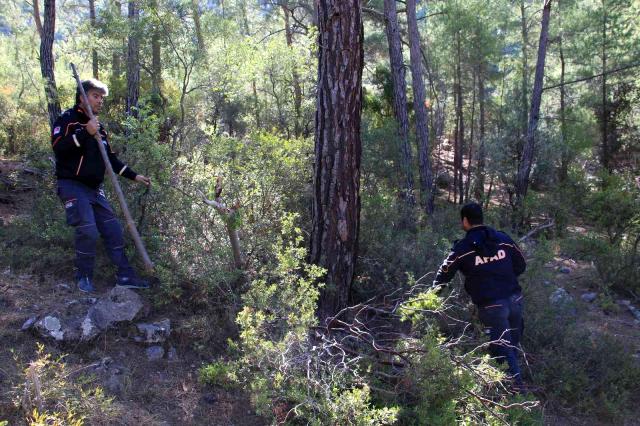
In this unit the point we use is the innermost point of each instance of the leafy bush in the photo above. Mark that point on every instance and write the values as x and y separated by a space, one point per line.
277 359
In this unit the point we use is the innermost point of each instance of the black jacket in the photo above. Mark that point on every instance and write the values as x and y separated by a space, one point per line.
490 261
77 153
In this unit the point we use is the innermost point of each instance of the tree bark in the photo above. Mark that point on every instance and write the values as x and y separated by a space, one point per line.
46 58
94 52
528 151
336 203
399 96
133 65
420 109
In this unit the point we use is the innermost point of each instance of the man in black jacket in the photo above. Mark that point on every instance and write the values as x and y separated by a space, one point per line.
80 172
491 262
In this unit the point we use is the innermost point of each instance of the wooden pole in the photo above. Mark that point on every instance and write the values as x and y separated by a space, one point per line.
133 231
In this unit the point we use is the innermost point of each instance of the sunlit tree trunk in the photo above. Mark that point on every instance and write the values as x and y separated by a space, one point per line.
336 202
47 32
420 109
528 151
399 95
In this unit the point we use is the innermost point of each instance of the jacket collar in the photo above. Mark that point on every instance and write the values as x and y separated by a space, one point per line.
477 228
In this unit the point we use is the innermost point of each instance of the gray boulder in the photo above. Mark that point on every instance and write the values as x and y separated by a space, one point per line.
589 297
83 320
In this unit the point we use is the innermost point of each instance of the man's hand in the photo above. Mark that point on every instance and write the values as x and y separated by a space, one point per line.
143 179
93 126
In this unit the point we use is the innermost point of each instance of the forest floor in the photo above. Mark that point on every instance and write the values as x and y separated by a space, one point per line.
167 391
163 392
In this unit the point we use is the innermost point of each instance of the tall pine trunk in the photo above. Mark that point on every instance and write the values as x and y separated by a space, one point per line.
133 65
336 203
528 151
399 96
420 109
46 56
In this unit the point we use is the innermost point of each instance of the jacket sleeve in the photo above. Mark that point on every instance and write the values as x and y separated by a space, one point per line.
448 268
517 258
68 135
118 166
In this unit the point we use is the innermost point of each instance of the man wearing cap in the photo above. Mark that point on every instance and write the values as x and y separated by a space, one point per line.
80 173
491 263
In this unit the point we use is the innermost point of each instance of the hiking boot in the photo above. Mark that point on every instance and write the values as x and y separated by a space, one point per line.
132 283
85 284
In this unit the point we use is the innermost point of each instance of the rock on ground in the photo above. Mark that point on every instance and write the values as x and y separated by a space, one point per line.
83 320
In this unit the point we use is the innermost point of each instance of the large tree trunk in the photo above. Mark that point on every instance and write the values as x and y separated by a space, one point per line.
46 57
420 109
399 95
526 161
297 90
94 52
133 64
336 203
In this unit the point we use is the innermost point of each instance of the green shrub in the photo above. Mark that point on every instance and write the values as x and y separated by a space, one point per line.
218 373
277 359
